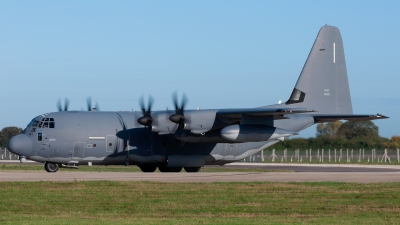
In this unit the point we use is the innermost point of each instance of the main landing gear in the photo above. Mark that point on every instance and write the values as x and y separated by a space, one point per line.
51 167
148 169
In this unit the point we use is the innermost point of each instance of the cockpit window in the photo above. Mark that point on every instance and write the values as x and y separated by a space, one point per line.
47 123
33 124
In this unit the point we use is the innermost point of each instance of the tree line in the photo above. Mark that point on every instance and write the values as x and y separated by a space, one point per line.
8 132
339 135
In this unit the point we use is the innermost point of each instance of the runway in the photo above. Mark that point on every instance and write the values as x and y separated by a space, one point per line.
300 167
358 177
308 173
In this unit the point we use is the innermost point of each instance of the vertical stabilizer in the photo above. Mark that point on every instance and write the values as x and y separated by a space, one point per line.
323 83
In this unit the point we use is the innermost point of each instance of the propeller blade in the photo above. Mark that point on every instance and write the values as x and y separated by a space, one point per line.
141 105
150 104
89 103
185 100
66 104
97 107
175 100
59 105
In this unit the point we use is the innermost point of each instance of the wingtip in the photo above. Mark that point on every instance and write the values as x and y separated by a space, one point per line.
380 116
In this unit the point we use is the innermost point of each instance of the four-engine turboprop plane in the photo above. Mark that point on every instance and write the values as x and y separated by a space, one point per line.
189 139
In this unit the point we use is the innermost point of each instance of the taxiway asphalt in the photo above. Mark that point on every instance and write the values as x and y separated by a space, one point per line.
305 173
359 177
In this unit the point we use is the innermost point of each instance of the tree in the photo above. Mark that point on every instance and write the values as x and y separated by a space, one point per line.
8 132
360 129
330 129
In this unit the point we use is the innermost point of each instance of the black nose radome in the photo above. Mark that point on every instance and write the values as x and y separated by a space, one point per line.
20 145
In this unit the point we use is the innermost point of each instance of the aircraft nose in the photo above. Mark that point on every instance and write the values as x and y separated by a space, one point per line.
20 145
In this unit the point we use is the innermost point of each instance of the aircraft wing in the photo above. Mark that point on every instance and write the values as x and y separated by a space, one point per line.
349 117
277 113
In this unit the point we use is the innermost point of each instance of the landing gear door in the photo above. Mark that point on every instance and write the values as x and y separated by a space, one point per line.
230 151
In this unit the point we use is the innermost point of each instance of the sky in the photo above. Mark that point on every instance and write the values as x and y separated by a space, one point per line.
222 54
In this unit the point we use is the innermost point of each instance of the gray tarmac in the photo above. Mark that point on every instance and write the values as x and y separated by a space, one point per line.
358 177
305 173
297 167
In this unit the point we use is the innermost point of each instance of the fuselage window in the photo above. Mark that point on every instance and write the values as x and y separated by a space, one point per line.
51 125
46 125
40 124
39 136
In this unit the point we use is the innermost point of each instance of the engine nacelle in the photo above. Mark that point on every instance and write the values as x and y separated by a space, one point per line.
254 133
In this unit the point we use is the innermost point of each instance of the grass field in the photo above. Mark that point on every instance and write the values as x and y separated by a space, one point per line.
108 202
85 168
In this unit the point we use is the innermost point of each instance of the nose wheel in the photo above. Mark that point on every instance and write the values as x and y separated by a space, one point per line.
51 167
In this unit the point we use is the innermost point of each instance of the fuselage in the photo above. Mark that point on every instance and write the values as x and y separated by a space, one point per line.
116 138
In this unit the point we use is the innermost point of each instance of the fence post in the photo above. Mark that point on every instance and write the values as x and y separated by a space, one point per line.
273 156
322 156
398 155
335 154
285 155
373 155
310 155
329 155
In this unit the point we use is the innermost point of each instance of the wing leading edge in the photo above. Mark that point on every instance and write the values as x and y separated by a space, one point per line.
276 113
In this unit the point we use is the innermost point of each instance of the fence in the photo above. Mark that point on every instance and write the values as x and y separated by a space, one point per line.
333 155
258 157
7 155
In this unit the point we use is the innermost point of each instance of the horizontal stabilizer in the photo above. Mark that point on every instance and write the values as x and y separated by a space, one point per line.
349 117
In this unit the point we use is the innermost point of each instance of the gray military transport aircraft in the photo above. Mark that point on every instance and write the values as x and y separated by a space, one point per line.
189 139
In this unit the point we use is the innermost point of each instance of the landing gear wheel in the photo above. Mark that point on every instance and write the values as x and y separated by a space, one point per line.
170 169
51 167
192 169
148 169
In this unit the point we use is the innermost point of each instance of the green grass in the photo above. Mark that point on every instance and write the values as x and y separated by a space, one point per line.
108 202
84 168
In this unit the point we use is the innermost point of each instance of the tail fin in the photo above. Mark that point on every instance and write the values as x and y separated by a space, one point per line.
323 83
